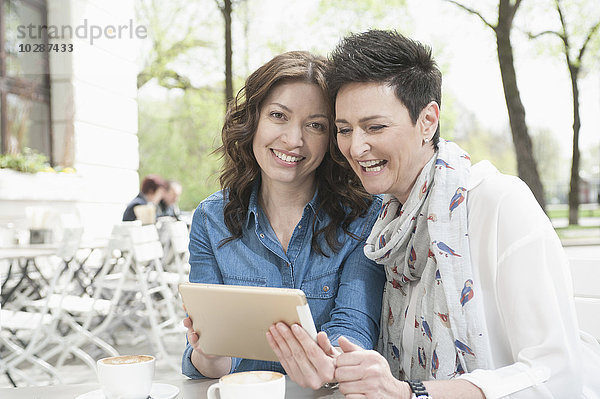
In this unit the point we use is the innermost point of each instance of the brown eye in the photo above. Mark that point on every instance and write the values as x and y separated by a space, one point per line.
277 115
316 126
344 131
376 128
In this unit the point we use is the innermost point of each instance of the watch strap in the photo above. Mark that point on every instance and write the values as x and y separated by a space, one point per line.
417 387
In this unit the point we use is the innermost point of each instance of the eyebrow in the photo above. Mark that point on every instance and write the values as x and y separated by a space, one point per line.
289 110
361 120
282 106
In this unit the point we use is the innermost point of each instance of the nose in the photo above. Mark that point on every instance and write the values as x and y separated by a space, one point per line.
293 136
359 145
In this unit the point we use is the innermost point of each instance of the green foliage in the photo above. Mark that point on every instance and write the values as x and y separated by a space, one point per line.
28 161
563 213
177 138
174 34
480 143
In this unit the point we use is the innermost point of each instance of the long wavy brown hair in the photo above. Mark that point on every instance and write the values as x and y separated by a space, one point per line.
341 194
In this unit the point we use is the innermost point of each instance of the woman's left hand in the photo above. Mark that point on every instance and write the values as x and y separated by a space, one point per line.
308 363
366 374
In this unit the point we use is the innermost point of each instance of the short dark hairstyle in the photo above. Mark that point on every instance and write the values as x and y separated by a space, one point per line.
151 183
388 57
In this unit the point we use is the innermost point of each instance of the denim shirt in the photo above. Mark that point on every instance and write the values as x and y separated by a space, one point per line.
343 290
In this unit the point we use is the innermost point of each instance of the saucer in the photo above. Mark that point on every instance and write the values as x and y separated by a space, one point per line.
158 391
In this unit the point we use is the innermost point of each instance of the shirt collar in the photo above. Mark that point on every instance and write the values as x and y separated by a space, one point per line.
253 204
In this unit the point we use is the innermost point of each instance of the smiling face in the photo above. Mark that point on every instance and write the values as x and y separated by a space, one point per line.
292 134
380 141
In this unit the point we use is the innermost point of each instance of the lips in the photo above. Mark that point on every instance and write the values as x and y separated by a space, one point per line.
287 157
372 165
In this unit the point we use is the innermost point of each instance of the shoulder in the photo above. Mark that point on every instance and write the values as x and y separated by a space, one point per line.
502 197
488 185
210 207
362 225
139 200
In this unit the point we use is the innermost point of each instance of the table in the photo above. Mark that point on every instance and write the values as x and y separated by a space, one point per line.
188 389
23 257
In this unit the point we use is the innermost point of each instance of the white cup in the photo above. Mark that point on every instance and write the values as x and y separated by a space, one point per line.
249 385
126 377
145 213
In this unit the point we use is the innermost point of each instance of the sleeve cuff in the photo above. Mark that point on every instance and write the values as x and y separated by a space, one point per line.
188 369
505 381
333 338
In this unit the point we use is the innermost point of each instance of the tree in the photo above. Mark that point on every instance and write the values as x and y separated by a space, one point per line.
526 164
172 35
226 7
574 59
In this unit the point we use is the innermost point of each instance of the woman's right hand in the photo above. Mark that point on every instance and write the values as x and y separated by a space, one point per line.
308 363
210 366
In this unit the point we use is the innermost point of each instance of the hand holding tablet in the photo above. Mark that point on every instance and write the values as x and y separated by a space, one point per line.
233 320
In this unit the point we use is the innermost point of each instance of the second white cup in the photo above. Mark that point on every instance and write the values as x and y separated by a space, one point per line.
249 385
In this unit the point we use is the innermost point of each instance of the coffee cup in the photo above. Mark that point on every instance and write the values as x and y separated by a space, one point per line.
249 385
145 213
126 377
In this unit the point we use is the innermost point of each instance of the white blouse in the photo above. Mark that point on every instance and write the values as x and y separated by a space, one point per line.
536 347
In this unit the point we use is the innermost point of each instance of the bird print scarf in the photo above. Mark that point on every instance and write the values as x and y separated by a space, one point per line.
426 239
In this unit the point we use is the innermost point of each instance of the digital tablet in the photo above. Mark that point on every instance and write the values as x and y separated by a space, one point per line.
232 320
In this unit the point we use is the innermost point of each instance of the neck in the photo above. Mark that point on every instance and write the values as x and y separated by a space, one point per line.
276 198
425 157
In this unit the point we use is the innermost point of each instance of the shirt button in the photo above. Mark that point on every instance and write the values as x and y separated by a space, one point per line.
262 235
325 288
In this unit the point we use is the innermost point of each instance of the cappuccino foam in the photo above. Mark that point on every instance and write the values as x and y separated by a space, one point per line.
128 359
251 377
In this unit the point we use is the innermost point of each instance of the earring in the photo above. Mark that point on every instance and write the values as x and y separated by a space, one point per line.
426 140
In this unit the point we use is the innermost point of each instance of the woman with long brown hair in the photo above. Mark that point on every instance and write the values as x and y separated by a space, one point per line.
290 213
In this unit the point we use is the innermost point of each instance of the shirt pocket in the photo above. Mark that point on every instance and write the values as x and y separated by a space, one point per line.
324 286
253 281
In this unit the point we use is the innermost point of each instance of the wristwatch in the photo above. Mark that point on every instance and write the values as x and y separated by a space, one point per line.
418 389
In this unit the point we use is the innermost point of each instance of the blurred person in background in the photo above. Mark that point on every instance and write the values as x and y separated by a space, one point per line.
152 189
168 204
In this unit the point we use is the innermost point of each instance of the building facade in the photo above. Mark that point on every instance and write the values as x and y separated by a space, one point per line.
76 103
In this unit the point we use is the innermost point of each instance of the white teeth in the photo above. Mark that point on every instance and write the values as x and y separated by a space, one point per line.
286 158
366 164
372 166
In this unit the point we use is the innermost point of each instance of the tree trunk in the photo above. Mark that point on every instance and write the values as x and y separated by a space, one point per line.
574 187
228 52
526 165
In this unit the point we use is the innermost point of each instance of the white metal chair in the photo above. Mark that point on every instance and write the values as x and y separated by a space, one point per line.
141 298
174 235
52 320
586 275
